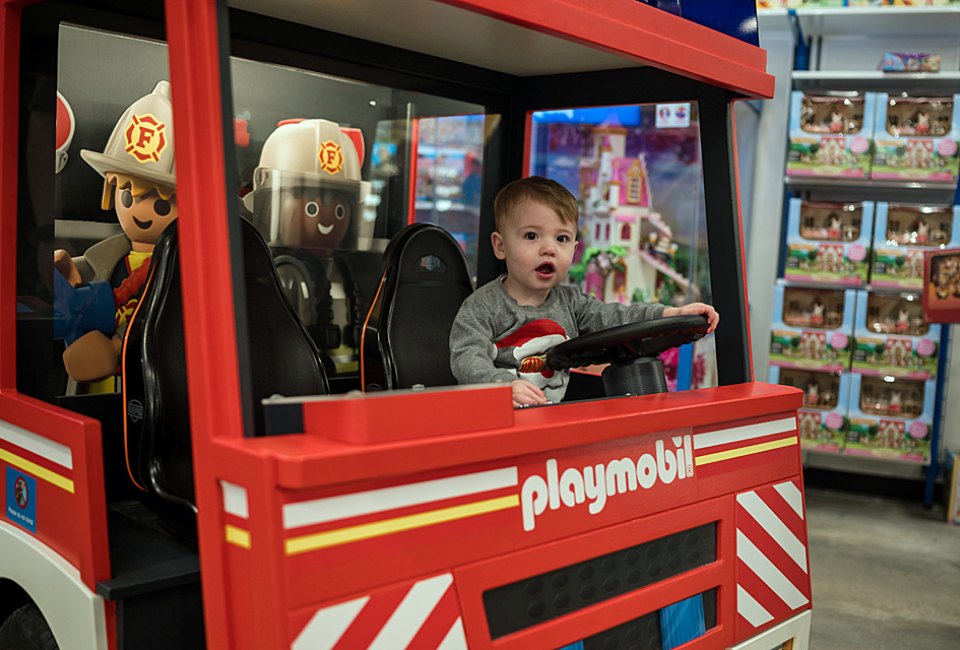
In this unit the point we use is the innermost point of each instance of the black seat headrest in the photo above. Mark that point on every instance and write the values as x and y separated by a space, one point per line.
406 335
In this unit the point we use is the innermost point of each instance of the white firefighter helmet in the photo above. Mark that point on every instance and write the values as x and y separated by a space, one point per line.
307 153
65 129
315 151
141 144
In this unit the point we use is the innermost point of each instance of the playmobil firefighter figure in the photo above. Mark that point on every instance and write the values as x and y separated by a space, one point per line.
137 166
306 201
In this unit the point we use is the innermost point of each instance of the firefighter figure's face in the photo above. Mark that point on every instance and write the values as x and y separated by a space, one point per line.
315 218
143 216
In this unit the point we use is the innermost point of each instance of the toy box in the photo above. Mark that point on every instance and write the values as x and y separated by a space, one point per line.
916 138
822 420
829 242
901 234
830 135
952 467
812 328
941 293
910 62
892 338
890 418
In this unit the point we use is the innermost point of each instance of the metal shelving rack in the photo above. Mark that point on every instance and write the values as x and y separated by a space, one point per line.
811 29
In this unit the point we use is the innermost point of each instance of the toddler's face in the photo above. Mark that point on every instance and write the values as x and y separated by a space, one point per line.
538 248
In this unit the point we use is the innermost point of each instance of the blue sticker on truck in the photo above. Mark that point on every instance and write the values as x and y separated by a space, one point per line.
21 506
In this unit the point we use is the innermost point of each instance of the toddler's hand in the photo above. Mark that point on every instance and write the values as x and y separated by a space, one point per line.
693 309
526 394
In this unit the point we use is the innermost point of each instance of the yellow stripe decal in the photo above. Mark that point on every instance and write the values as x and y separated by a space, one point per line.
305 543
238 536
40 472
745 451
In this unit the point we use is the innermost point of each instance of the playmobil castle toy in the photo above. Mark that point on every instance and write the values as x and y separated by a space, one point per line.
830 135
630 254
829 242
916 138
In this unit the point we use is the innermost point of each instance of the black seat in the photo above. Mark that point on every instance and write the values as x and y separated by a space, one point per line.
283 360
360 272
307 288
406 335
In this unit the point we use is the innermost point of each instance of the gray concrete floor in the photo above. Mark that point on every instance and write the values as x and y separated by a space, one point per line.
885 573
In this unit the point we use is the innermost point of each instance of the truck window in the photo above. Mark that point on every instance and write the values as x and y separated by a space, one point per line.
637 172
113 131
331 168
384 157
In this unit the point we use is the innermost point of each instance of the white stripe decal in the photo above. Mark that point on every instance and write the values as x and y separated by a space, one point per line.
455 639
740 434
43 447
792 496
235 500
318 511
328 625
410 615
750 609
768 573
771 523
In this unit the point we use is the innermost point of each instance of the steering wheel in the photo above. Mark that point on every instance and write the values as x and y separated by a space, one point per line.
631 350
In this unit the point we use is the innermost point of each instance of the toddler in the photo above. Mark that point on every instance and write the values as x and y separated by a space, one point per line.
504 330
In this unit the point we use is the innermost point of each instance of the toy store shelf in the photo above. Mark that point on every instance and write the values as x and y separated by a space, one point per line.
870 465
819 182
910 82
830 21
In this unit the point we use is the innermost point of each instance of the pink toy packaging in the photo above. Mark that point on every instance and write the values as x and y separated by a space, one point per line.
916 138
830 135
901 234
812 328
829 242
891 419
822 420
891 337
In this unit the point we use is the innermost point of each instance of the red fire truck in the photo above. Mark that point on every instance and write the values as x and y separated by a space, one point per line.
209 499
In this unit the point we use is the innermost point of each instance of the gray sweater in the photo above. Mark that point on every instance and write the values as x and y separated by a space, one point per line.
493 339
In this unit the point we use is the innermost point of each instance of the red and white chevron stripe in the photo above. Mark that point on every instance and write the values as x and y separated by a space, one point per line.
773 580
421 616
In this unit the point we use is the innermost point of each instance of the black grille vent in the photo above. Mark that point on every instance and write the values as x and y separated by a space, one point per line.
644 633
540 598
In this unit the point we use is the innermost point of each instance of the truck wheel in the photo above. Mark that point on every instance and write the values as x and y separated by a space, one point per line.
26 629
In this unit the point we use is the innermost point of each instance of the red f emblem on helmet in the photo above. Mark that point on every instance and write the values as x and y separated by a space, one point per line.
331 157
145 138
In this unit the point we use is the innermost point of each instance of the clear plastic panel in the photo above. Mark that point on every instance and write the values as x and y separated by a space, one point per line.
841 113
919 225
819 388
813 308
902 398
331 169
896 314
919 116
637 173
831 221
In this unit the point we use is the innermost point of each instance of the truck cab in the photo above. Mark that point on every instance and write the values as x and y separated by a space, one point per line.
246 479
